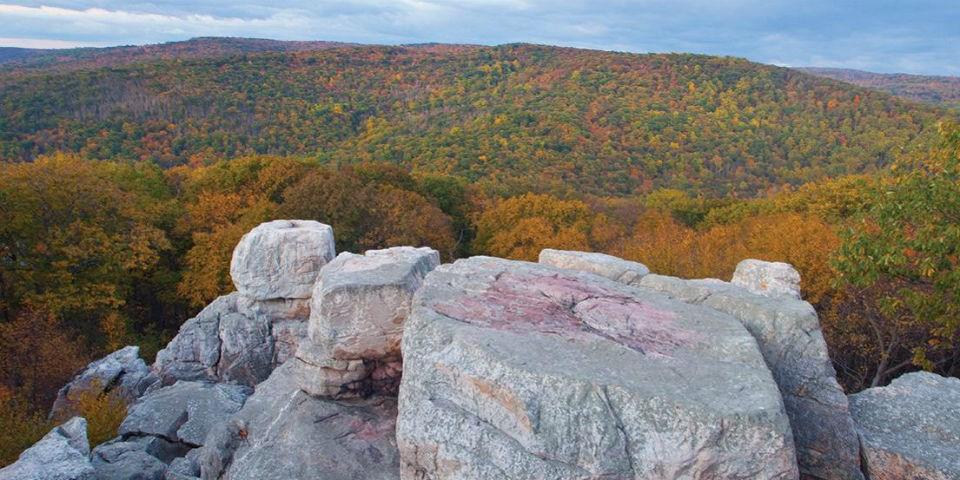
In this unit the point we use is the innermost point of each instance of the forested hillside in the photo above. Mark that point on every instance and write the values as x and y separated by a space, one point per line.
513 118
125 188
936 90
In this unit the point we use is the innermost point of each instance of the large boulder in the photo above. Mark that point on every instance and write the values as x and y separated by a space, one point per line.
122 373
788 333
281 259
617 269
60 455
767 278
184 412
519 370
911 428
357 313
282 433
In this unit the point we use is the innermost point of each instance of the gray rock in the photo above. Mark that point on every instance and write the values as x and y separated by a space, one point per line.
911 428
127 460
287 319
60 455
617 269
360 302
358 309
283 433
122 372
792 343
281 259
246 349
221 344
519 370
184 412
181 469
767 278
194 353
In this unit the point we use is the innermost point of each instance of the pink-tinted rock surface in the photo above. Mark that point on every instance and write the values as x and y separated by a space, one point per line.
518 370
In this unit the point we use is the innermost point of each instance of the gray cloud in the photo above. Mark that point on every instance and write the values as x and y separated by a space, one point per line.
920 36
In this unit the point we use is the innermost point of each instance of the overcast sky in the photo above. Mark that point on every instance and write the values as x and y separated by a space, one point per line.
912 36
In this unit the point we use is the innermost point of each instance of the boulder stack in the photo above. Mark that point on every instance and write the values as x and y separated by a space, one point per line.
359 307
243 336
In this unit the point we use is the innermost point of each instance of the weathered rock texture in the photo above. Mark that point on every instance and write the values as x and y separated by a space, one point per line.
789 336
911 428
122 373
358 309
767 278
283 433
617 269
518 370
281 259
60 455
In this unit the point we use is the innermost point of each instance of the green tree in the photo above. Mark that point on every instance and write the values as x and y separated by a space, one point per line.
905 253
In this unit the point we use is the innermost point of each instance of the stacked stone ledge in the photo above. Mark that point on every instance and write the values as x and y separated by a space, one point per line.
241 337
358 309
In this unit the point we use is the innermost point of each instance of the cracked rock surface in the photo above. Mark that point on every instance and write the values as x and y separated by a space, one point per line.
184 412
788 332
519 370
122 372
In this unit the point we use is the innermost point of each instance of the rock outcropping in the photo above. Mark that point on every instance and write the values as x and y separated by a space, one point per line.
122 373
516 370
60 455
388 365
788 333
243 336
911 428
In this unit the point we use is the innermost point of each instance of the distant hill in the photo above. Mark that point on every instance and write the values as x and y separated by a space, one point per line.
512 118
937 90
201 47
19 55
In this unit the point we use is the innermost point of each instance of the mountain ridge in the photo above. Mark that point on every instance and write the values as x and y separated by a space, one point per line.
943 90
515 118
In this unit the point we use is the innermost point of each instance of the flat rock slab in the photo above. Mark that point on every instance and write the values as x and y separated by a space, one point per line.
608 266
281 259
184 412
788 333
911 428
282 433
519 370
60 455
767 278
